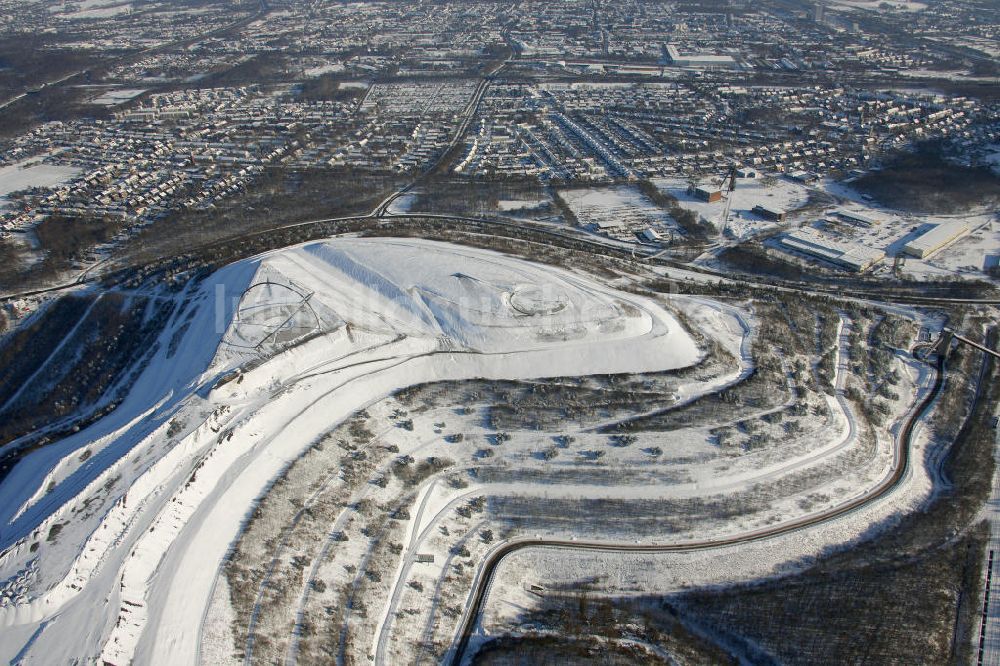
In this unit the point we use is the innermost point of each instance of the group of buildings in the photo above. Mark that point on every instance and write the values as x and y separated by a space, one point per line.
851 256
859 256
587 93
614 130
195 147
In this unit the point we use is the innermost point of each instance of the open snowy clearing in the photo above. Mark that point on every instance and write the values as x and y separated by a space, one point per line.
743 222
881 7
117 96
32 173
103 11
620 210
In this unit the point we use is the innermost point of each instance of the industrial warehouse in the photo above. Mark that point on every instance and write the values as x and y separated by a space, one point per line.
698 59
851 256
936 239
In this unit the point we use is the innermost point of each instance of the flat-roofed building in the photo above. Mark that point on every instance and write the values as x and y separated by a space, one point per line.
859 219
698 59
852 256
801 176
769 213
936 239
709 194
609 224
649 234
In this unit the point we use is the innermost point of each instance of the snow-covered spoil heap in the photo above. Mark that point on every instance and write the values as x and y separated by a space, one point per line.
330 327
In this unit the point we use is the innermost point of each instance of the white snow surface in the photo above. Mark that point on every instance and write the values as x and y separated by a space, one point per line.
743 222
331 327
117 96
32 173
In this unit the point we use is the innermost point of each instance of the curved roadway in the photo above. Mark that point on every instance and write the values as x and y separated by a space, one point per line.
487 573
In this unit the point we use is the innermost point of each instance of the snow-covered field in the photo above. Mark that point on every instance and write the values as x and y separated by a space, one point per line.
138 529
619 209
671 572
880 6
32 173
324 68
642 574
509 205
103 11
117 96
403 203
773 193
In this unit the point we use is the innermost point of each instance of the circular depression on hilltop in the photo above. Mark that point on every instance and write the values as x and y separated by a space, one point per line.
538 300
273 313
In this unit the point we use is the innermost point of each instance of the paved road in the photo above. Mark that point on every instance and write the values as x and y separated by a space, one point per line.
988 638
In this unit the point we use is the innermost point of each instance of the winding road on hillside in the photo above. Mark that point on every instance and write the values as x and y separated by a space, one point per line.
487 572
